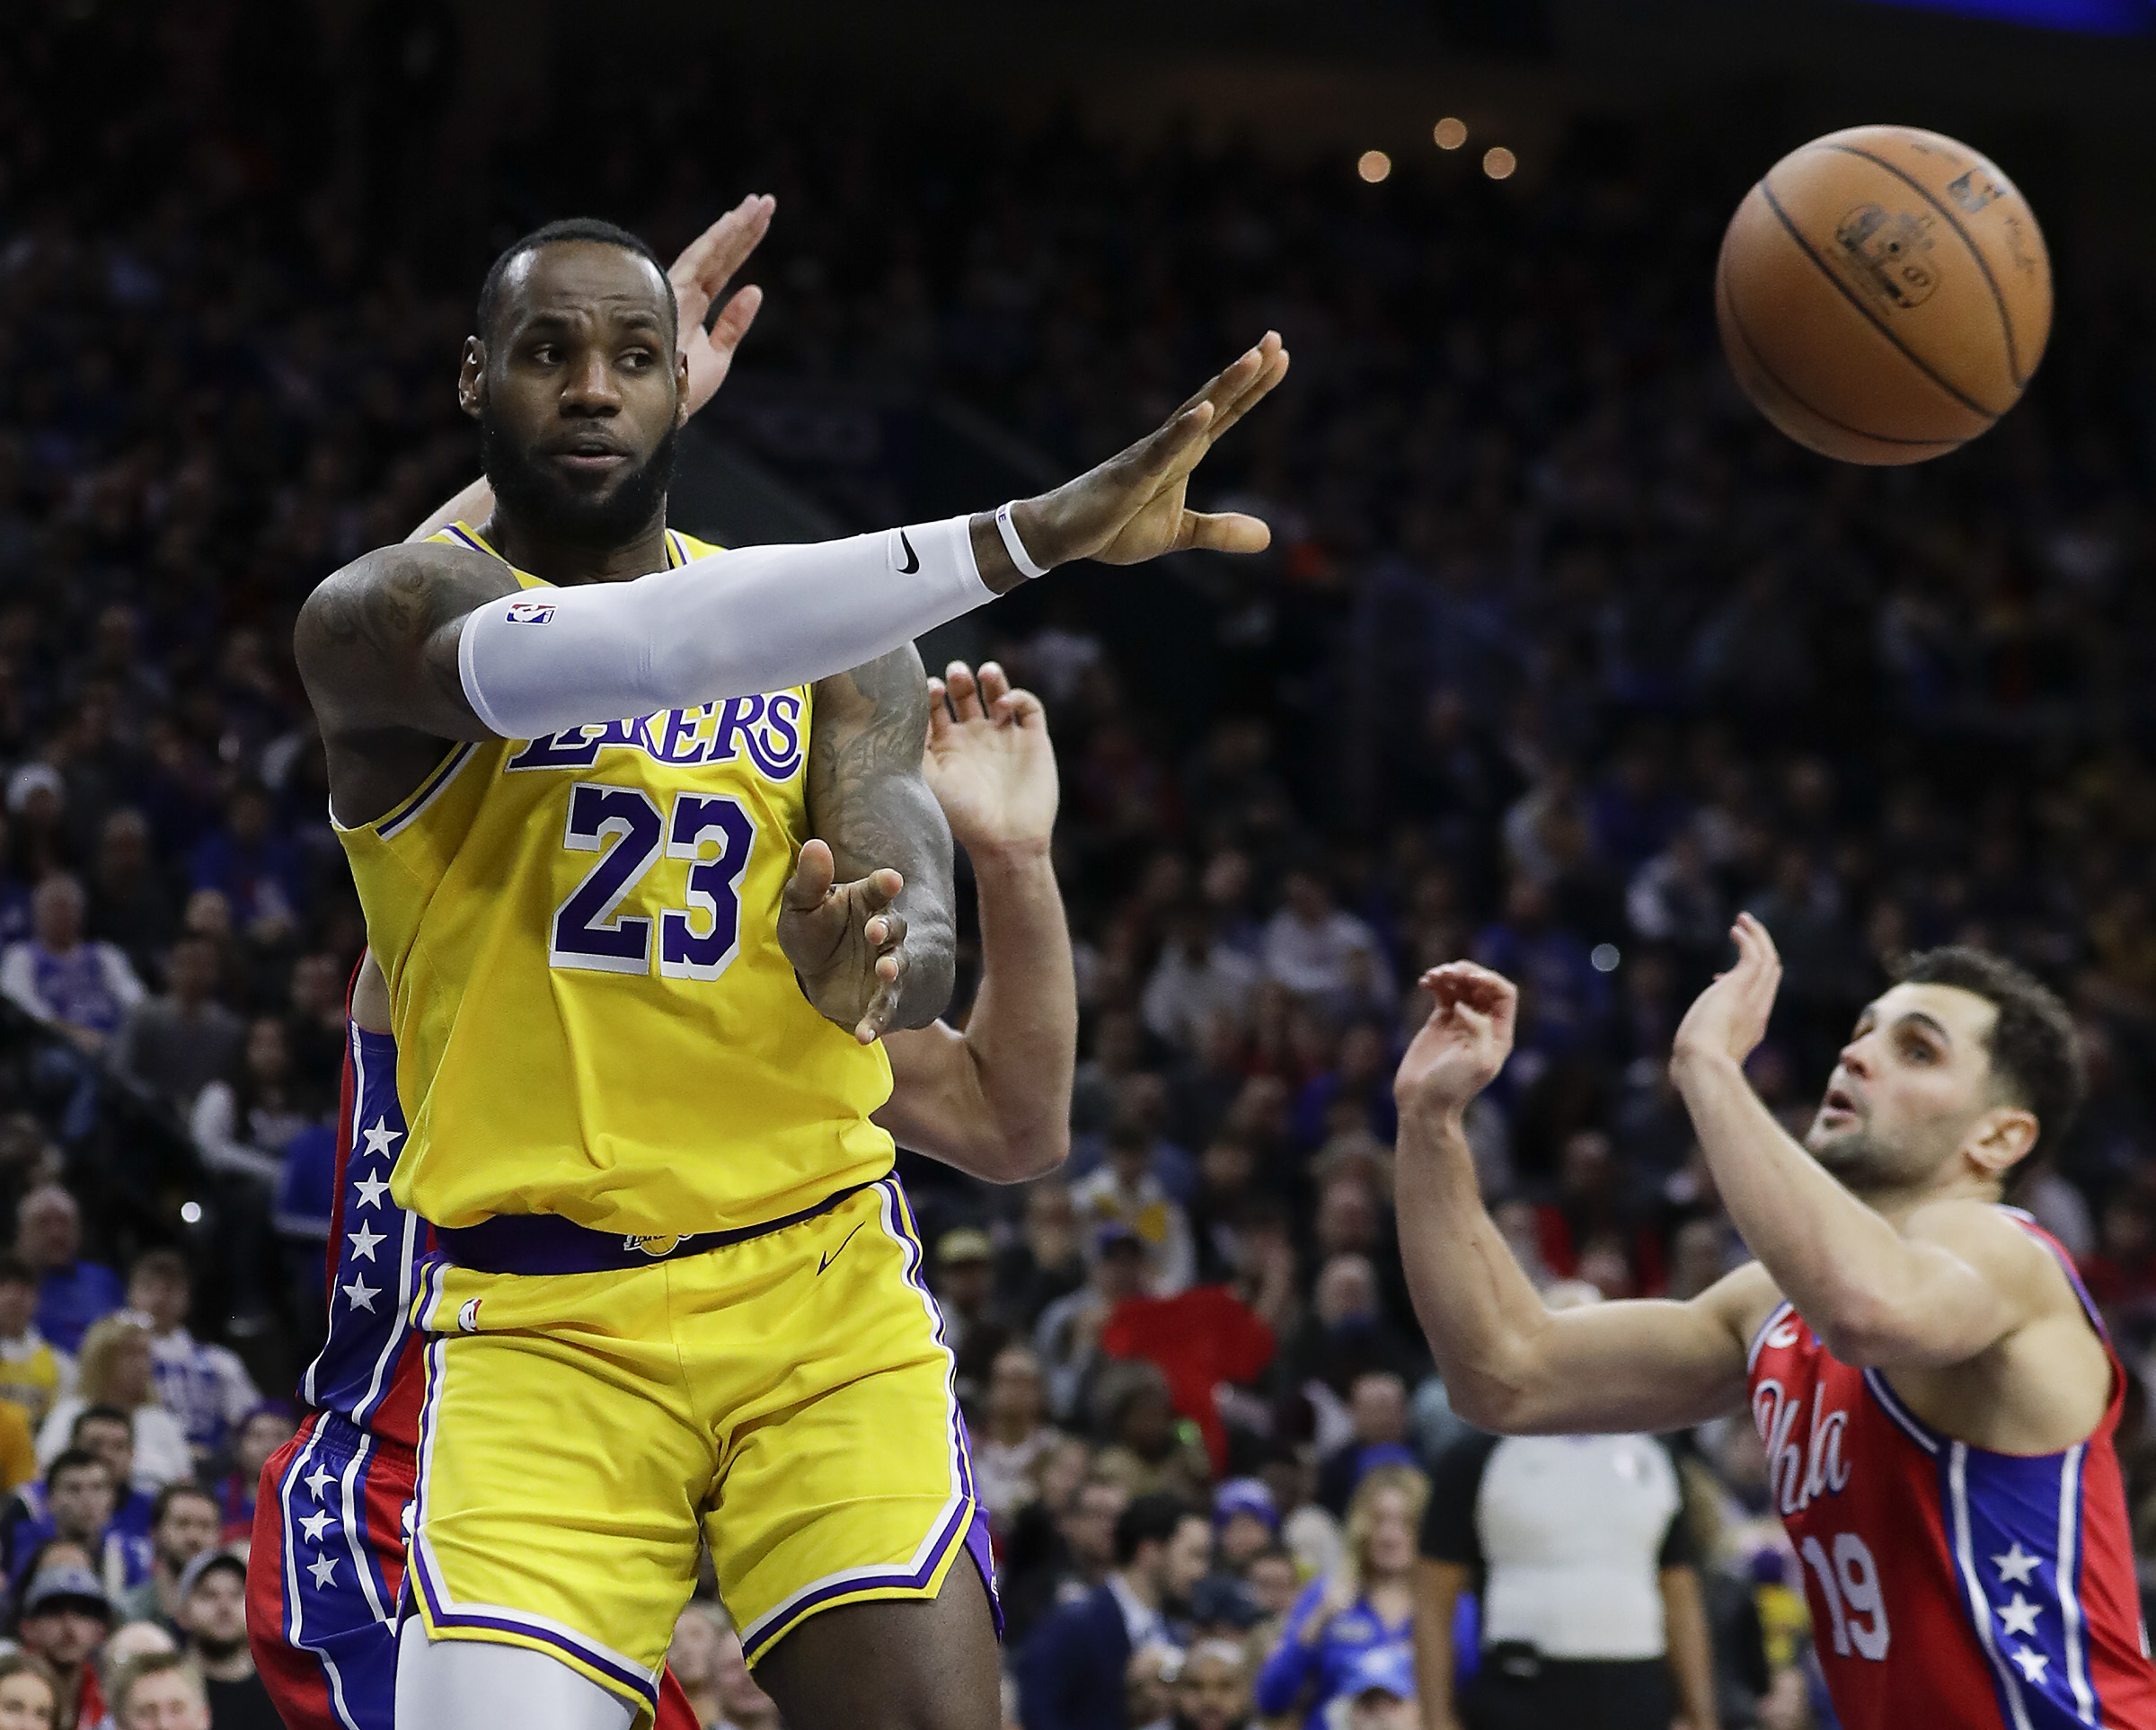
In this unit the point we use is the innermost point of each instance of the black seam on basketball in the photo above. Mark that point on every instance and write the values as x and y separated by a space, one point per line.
2006 323
1871 318
1737 318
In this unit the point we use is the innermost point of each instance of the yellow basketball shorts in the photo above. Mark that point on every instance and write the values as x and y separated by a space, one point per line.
790 1395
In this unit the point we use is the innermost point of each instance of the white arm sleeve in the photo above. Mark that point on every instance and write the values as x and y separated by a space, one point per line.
759 618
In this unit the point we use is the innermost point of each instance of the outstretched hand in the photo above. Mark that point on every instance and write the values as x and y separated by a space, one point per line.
988 761
1729 1018
1132 507
700 276
1465 1042
846 942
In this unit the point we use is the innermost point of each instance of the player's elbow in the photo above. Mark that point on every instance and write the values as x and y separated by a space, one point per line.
1024 1153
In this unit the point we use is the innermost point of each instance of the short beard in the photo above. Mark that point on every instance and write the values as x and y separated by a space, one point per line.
543 505
1862 1165
219 1651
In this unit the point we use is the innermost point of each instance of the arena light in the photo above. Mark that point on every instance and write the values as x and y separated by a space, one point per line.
1449 133
1498 163
1605 957
1373 166
192 1213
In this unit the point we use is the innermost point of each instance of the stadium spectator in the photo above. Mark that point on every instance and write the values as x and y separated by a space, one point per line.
64 1619
1377 1407
185 1521
1070 1673
160 1691
962 1275
1379 1694
115 1372
30 1693
1198 982
1060 1547
206 1386
177 1044
213 1625
260 1434
693 1655
1246 1522
1067 1338
1126 1190
110 1434
1008 1447
131 907
1367 1605
1323 955
71 1292
242 1127
1148 1449
85 988
252 865
73 1505
742 1705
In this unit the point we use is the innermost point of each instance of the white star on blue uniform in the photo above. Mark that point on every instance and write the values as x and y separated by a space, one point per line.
362 1295
370 1190
2018 1617
363 1241
324 1569
2032 1663
2017 1565
314 1525
317 1478
381 1137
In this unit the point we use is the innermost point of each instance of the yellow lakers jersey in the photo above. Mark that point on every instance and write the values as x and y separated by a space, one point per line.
592 1012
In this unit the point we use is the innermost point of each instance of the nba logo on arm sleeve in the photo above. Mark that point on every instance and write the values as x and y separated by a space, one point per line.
530 612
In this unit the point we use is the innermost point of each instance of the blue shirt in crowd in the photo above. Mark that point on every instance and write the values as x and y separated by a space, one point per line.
69 1299
1314 1672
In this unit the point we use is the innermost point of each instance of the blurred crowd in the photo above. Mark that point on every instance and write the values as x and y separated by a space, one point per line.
1560 658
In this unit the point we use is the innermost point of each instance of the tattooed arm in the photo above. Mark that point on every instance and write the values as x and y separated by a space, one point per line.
376 645
868 921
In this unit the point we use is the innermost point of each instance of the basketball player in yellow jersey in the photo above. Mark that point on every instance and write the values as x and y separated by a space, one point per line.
598 826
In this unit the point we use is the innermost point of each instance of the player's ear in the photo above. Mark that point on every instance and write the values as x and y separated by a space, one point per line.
470 378
2001 1140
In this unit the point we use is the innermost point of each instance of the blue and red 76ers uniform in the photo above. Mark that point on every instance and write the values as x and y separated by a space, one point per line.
1950 1587
326 1569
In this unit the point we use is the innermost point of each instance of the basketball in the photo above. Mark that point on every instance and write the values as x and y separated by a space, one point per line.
1884 295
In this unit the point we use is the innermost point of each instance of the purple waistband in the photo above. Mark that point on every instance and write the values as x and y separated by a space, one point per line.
547 1243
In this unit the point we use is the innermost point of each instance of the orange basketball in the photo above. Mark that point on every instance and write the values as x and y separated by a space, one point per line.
1884 295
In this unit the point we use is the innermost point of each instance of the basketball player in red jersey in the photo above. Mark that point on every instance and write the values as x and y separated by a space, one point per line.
1936 1394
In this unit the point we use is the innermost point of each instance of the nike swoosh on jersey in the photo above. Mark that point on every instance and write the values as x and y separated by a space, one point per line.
912 558
842 1242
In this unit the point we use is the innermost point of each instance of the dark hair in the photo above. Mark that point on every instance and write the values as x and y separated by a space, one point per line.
92 1414
571 228
2034 1050
1153 1518
15 1271
75 1460
164 1264
172 1493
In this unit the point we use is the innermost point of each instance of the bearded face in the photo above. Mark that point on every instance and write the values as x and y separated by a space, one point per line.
598 512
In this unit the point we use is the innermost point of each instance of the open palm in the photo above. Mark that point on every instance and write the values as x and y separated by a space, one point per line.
989 762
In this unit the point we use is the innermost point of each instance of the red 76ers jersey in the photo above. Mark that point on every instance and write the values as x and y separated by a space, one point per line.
1949 1586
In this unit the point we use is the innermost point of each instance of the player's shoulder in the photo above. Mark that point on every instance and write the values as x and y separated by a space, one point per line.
2002 1243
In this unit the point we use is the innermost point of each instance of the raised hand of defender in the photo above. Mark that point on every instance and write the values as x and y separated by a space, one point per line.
700 276
846 942
1132 508
989 762
1465 1042
1730 1016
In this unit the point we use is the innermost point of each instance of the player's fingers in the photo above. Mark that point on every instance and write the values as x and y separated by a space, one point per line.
1244 383
726 244
1223 532
1180 441
1021 709
812 880
965 694
878 889
884 930
1273 372
994 683
735 318
1236 377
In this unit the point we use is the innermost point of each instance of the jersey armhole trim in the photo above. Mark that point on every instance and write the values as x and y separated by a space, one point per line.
1760 1333
2027 1221
401 813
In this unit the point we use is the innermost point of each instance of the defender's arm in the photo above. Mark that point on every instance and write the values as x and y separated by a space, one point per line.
995 1101
1508 1363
